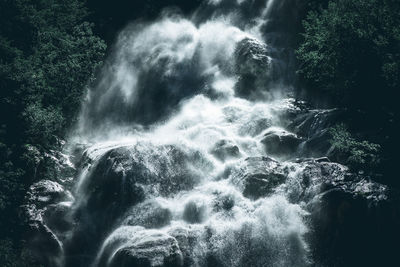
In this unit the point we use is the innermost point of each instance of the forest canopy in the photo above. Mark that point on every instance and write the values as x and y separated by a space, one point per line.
48 54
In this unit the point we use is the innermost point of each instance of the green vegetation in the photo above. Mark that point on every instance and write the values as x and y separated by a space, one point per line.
349 56
351 52
48 54
358 155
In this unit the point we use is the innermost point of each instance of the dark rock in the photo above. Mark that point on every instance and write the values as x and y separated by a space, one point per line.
310 123
44 243
355 223
135 246
59 167
126 176
47 192
185 239
255 126
149 214
224 202
194 212
280 142
225 149
258 176
56 216
253 67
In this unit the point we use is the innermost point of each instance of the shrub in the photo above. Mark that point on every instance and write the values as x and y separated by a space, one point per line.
358 155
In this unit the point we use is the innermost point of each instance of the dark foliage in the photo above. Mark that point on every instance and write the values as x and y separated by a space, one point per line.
48 53
351 52
349 56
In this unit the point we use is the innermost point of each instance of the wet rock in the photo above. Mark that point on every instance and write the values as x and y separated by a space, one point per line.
46 192
44 242
40 197
255 126
194 212
225 149
149 214
258 176
185 240
56 216
356 222
59 167
280 142
126 176
135 246
308 124
224 202
253 67
45 245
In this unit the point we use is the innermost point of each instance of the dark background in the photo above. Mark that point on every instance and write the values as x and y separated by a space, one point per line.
111 16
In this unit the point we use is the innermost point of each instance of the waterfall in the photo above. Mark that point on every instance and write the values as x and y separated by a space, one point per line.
178 169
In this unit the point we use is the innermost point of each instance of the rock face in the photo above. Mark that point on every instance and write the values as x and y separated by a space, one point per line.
253 66
41 210
149 214
258 176
356 222
280 142
135 246
225 149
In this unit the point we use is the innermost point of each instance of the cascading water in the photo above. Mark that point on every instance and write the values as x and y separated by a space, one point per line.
187 161
170 140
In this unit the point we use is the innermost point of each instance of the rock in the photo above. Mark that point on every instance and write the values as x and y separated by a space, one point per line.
225 149
149 214
355 223
45 245
44 192
258 176
280 142
56 216
59 167
254 126
40 200
126 176
253 67
224 202
308 124
40 197
135 246
194 212
185 240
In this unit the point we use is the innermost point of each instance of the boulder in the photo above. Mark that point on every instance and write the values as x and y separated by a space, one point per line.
253 67
254 126
194 212
56 216
44 242
126 176
136 246
258 176
355 223
149 214
280 142
225 149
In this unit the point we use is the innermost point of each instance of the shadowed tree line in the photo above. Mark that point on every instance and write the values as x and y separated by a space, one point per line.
349 57
48 54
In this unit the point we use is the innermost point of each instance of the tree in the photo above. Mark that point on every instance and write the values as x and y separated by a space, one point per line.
48 54
351 52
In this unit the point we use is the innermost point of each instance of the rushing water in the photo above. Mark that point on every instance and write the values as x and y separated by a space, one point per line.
173 128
